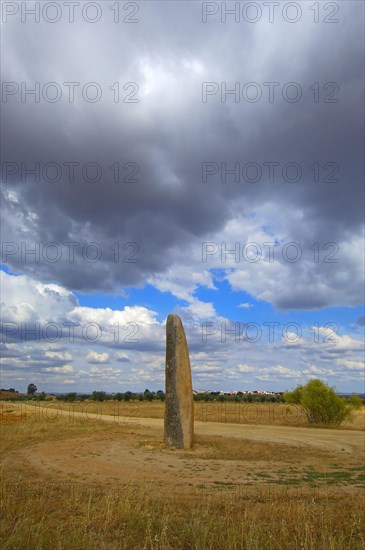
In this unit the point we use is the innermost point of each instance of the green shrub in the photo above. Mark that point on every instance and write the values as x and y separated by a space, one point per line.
321 404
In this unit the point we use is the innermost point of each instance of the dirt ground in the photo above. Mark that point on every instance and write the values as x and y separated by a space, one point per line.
224 455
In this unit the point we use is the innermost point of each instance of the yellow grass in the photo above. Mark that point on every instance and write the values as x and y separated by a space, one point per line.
39 512
89 517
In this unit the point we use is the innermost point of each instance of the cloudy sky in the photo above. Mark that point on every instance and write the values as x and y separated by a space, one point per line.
169 156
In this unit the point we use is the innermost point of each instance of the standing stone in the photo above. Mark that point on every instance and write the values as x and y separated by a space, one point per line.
179 404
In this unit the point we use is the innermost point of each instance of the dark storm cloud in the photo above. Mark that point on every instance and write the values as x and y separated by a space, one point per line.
170 132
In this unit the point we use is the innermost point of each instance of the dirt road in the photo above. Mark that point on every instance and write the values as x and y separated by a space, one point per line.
329 439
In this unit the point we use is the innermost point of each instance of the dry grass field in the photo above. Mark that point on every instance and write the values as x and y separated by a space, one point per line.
90 476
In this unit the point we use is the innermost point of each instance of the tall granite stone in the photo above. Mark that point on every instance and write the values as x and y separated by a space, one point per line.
179 404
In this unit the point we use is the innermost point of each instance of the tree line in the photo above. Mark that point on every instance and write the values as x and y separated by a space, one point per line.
148 395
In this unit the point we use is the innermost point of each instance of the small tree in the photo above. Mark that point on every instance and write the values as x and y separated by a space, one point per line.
321 404
70 397
160 395
99 396
32 388
148 395
41 396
